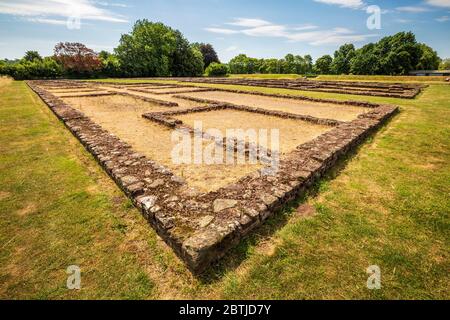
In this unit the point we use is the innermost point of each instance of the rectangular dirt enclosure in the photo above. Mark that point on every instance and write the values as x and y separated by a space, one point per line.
203 210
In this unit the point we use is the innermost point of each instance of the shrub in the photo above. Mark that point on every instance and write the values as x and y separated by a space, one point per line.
217 70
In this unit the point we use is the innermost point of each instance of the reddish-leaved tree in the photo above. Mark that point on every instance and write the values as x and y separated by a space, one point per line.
76 58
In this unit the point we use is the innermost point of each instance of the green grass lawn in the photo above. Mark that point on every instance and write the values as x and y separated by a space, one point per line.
387 205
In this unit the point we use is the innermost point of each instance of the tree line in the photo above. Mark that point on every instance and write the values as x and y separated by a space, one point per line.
156 50
393 55
149 50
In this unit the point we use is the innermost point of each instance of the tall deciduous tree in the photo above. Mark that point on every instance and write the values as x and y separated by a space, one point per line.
445 64
208 52
397 54
77 59
186 60
154 49
323 65
342 58
429 59
32 55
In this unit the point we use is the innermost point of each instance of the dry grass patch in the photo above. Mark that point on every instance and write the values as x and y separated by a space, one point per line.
319 110
28 209
4 195
5 81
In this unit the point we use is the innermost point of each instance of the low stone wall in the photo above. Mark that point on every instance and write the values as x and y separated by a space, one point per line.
218 105
202 227
379 89
90 95
169 92
148 99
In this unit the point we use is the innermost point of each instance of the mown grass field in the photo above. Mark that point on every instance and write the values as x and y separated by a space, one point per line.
386 205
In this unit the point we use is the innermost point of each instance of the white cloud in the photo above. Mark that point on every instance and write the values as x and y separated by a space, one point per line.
305 33
439 3
44 9
222 30
266 31
413 9
48 21
443 19
231 49
305 27
403 21
250 23
109 4
354 4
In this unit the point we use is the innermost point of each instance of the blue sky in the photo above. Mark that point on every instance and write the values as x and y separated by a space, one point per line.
258 28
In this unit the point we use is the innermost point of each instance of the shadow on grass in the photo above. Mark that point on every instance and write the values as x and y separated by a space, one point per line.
237 255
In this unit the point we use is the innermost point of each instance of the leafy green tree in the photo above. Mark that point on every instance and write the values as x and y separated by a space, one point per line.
147 49
185 60
342 58
239 64
365 61
429 59
111 66
308 64
32 55
323 65
270 66
156 50
445 64
288 64
46 68
217 70
397 54
208 52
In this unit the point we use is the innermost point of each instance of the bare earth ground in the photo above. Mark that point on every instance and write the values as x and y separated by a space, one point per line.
123 117
66 94
319 110
174 89
292 132
181 102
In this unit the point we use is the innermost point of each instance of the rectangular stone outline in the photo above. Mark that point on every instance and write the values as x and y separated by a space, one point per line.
391 90
202 227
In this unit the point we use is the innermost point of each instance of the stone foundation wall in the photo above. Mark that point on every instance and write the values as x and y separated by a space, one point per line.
202 227
379 89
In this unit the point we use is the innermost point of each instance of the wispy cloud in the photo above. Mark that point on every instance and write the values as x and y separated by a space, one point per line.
52 9
439 3
109 4
305 33
354 4
443 19
413 9
48 21
222 30
403 21
250 23
231 49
